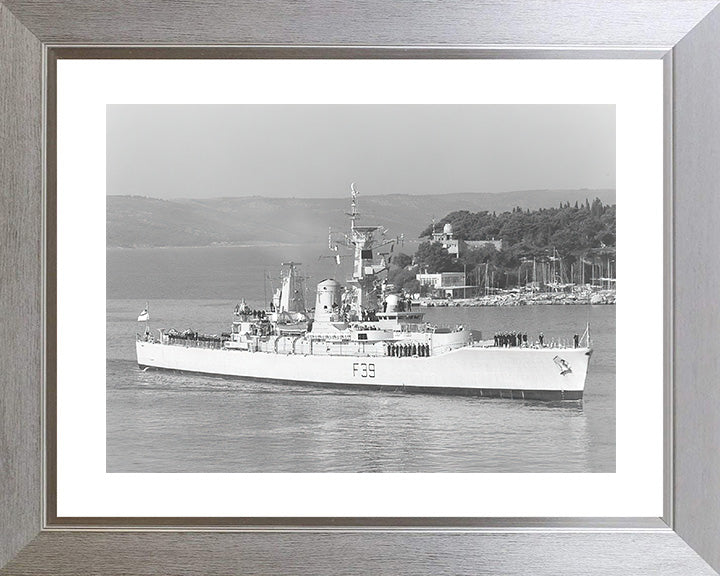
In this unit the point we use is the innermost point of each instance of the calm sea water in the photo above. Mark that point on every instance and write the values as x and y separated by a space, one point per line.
164 422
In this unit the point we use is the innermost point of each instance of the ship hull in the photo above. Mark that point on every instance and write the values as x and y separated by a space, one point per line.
522 373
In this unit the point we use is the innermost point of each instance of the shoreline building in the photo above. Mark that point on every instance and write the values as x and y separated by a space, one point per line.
446 282
457 246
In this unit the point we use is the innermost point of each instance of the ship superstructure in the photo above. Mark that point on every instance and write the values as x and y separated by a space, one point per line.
362 334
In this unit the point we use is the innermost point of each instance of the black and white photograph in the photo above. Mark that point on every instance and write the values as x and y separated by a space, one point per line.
361 288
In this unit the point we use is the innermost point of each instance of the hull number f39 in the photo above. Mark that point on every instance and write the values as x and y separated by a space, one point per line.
363 370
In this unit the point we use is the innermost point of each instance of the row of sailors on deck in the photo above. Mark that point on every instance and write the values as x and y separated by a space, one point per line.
247 311
512 339
402 350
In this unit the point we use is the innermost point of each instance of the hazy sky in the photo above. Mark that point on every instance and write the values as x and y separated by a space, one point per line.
171 151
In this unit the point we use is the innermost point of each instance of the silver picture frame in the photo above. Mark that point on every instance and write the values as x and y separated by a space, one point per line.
685 34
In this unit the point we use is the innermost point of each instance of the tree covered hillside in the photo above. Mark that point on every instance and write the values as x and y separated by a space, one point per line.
573 236
568 229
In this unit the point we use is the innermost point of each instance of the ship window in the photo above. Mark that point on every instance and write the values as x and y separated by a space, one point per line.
366 254
362 336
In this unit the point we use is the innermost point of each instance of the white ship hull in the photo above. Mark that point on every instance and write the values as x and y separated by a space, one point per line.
522 373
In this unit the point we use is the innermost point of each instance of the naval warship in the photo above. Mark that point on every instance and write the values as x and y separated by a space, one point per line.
365 335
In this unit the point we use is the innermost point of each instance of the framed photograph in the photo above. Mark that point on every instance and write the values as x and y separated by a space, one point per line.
366 292
319 293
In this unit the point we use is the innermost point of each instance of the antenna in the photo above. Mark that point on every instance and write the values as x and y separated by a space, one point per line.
353 205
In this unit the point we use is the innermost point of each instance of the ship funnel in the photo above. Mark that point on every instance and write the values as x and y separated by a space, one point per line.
328 300
393 303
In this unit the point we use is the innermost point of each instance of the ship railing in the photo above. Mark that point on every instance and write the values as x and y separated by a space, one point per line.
552 344
444 329
444 348
306 347
194 339
564 343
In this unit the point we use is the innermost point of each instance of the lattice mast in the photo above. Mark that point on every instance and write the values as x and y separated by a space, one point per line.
363 241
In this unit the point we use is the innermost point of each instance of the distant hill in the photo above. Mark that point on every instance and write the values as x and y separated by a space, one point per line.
137 221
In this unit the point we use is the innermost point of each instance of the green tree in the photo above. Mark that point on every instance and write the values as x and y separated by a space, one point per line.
434 258
402 260
573 232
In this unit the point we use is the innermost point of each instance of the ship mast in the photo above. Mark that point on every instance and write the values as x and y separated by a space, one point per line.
353 206
363 241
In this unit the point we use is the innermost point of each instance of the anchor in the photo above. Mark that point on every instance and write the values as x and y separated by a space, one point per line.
563 365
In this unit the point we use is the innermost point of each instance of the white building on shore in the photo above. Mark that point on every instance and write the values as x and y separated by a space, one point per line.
457 246
448 282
